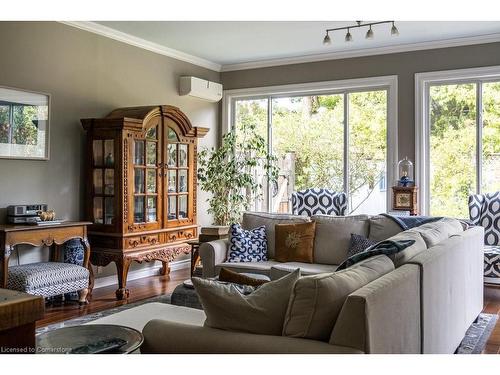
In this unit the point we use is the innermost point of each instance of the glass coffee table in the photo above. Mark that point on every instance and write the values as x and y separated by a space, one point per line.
89 339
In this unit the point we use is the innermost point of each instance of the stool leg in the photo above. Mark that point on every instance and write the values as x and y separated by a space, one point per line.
82 296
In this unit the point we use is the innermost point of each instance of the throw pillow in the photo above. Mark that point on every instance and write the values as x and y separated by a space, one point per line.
261 312
387 247
234 277
247 245
295 242
358 244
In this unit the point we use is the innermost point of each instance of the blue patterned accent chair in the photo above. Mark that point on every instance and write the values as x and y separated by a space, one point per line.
314 201
484 210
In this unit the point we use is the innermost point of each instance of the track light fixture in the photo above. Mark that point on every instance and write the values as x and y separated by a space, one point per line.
369 34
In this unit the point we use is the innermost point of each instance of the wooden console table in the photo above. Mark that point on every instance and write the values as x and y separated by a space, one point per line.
37 235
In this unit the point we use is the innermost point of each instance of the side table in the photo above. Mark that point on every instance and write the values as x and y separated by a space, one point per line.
195 253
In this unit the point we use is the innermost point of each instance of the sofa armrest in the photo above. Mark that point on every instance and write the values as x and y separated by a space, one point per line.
165 337
383 316
211 254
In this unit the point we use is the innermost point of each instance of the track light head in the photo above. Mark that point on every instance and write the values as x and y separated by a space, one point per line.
327 41
369 33
348 36
394 30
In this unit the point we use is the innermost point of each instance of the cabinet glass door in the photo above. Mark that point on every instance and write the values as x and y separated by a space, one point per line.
177 177
146 173
103 181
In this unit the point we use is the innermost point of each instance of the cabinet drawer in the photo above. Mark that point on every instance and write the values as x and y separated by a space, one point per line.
179 235
144 240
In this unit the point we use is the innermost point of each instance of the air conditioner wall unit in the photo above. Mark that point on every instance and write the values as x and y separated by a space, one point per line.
200 88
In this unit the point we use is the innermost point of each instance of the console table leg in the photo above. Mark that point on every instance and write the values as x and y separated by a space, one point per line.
122 267
82 296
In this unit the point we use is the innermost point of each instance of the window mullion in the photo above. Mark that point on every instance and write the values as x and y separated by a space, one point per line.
346 148
479 135
269 147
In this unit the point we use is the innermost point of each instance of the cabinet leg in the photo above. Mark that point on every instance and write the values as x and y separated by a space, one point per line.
122 267
165 269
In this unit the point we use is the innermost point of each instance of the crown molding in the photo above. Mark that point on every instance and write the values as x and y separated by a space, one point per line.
455 42
108 32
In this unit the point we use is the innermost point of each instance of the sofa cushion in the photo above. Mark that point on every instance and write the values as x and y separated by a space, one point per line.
294 242
282 269
438 231
405 255
241 278
263 268
261 312
247 245
316 300
256 219
383 227
333 236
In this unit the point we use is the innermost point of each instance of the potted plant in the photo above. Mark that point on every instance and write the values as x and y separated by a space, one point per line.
228 173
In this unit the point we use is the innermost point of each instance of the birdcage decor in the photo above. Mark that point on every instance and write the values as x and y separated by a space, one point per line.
405 168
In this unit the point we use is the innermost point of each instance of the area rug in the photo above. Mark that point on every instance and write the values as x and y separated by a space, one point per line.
473 343
101 314
477 335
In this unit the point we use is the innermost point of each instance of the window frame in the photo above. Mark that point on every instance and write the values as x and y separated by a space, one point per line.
343 87
423 82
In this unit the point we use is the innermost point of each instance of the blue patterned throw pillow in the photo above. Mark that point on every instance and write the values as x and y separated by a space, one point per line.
247 245
358 244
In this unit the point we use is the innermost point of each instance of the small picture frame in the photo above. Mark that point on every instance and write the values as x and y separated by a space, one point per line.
24 124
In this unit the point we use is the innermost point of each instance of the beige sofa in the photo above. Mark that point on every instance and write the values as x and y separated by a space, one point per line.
424 304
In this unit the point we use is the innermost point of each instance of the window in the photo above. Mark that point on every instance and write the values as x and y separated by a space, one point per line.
336 135
458 138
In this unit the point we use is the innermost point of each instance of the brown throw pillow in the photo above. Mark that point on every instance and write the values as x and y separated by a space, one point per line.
237 278
295 242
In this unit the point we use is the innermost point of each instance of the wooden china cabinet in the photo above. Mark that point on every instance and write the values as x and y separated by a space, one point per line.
141 187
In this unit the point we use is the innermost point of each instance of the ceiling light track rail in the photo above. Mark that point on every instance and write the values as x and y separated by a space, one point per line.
369 34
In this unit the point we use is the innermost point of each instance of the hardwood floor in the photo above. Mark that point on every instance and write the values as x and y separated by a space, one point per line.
104 298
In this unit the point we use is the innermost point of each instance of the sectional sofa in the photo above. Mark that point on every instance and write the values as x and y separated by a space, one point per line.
421 300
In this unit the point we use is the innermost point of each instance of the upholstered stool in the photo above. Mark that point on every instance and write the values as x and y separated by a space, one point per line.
49 279
492 264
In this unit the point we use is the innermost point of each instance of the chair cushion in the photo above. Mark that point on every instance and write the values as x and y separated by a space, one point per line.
316 300
247 245
256 219
282 269
48 278
311 202
333 236
492 264
490 219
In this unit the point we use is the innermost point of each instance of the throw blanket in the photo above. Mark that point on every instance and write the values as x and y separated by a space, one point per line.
408 222
387 247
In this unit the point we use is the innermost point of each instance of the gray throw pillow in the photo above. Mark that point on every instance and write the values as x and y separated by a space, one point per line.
261 312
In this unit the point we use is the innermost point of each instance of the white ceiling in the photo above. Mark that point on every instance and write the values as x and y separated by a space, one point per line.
235 44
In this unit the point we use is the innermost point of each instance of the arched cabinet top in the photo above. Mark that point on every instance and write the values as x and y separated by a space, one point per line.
137 118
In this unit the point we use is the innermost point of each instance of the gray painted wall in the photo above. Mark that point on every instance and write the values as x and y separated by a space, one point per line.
87 76
404 65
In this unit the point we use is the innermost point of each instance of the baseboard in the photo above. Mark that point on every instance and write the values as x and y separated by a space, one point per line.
139 274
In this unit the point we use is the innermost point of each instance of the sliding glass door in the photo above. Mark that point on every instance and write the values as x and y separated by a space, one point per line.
464 144
336 141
